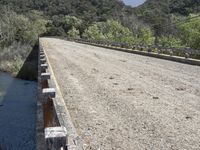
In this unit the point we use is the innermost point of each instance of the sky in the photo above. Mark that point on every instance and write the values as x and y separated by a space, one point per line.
134 2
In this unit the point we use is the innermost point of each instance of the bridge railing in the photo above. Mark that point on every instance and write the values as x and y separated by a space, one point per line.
186 52
51 135
183 55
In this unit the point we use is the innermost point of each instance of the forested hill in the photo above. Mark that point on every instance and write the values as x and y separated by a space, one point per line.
92 10
102 10
159 13
22 21
181 7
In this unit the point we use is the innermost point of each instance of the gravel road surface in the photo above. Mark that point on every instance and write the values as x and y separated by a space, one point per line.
122 101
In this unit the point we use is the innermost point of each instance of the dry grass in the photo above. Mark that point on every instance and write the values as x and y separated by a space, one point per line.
13 57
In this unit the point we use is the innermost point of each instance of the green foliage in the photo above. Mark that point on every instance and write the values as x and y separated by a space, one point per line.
110 30
72 22
184 7
94 19
14 27
145 36
191 33
55 31
73 33
94 32
170 41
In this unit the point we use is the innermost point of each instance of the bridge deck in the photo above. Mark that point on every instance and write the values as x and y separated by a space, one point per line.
124 101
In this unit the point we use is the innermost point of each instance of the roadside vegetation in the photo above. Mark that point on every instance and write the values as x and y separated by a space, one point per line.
21 22
19 34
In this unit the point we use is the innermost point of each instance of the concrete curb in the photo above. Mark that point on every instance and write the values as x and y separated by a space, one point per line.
61 112
150 54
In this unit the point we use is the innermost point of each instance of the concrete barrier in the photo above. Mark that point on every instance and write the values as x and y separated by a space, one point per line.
50 135
53 119
147 51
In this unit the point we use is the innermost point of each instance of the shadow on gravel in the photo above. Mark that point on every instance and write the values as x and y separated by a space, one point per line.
29 69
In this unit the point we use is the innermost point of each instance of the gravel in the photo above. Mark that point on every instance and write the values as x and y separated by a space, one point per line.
135 104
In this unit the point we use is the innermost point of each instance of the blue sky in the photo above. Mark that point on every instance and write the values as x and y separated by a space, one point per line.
134 2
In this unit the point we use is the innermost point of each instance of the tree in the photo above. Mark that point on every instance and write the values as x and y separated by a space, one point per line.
170 41
73 33
111 30
145 36
14 27
94 32
190 32
71 22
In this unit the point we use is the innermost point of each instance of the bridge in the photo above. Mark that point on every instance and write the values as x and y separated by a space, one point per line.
95 97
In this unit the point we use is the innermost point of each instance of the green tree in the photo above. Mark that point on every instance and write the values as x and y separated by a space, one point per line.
71 22
190 33
73 33
170 41
111 30
14 27
145 36
94 32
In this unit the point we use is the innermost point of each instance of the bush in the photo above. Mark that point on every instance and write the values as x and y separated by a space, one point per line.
73 33
190 33
110 30
145 36
18 36
14 27
170 41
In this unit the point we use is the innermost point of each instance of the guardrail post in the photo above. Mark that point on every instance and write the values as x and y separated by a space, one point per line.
56 138
44 66
171 52
43 61
149 49
48 93
45 76
187 52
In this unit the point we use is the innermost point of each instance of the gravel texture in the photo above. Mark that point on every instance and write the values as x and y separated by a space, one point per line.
123 101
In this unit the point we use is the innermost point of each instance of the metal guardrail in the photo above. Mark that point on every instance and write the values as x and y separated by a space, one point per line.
171 51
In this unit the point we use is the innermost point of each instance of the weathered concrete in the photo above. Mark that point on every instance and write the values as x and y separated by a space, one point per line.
44 66
45 76
56 138
149 53
48 93
52 97
43 61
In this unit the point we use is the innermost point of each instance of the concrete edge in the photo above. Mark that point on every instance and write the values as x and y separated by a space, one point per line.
150 54
40 137
74 142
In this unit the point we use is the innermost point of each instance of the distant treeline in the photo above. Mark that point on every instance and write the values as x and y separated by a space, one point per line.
22 21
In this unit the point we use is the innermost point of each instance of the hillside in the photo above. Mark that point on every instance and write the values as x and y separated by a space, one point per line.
94 10
22 21
155 12
182 7
152 12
